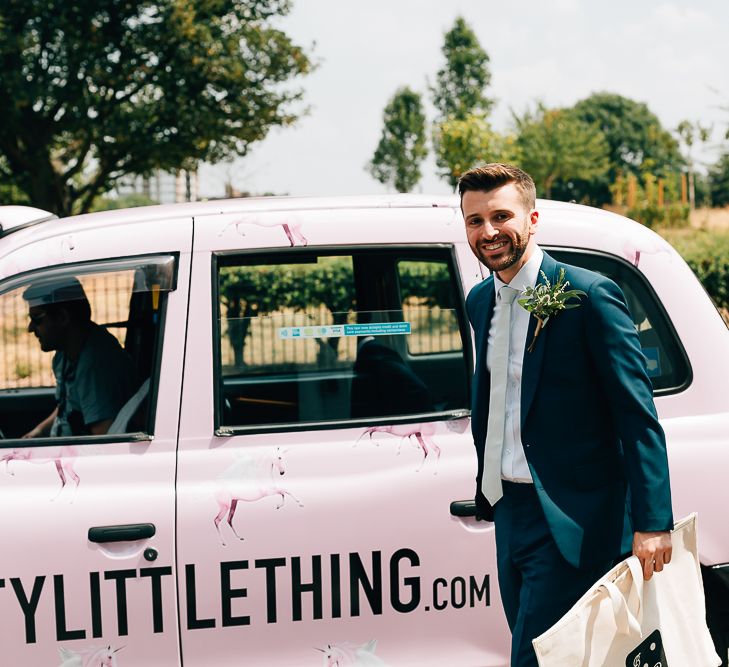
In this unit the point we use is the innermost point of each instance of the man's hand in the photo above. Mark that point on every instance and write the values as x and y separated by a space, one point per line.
44 428
653 550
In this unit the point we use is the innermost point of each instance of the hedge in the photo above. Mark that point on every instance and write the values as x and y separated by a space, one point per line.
707 253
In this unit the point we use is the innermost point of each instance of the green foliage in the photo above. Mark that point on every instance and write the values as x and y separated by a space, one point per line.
719 181
247 292
647 208
636 140
22 370
96 89
401 150
428 282
256 291
10 193
691 134
462 144
555 145
707 253
651 215
545 300
122 201
461 84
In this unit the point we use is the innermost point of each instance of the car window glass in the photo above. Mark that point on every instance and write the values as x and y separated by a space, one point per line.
81 342
666 360
428 298
335 337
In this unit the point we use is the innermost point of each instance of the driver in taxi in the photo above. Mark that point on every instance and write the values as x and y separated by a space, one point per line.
94 375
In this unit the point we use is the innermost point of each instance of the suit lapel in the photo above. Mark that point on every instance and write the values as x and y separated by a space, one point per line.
482 384
533 360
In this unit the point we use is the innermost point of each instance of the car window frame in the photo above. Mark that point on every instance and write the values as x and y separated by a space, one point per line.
223 257
657 302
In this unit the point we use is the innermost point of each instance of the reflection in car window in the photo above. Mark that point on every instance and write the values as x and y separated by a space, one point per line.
666 360
321 338
426 291
78 348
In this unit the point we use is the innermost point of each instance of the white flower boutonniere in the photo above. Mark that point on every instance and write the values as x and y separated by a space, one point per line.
547 300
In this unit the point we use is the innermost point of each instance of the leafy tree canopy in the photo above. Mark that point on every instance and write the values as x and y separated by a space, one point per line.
637 144
96 89
555 145
461 84
462 144
401 149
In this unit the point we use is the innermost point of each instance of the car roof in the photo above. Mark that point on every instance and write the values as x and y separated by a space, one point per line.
561 223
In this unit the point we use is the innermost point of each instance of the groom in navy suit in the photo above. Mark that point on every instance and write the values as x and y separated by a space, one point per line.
572 463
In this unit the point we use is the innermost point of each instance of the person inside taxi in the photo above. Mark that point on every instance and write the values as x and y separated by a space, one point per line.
94 376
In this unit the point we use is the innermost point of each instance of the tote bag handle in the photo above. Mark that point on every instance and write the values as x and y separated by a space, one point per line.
625 621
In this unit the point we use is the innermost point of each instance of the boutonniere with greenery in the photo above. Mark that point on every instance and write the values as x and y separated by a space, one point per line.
547 300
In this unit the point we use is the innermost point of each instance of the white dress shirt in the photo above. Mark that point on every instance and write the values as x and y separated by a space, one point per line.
514 465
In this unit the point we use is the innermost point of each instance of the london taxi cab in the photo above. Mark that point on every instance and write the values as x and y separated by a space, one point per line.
286 477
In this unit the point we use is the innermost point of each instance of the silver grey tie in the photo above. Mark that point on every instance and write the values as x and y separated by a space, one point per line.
491 485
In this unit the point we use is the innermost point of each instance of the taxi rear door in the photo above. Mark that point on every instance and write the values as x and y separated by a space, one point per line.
324 435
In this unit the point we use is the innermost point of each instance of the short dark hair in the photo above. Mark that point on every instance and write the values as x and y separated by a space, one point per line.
488 177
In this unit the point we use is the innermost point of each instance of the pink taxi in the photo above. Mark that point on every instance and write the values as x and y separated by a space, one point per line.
287 479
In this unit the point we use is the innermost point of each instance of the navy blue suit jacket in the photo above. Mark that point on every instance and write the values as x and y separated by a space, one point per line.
591 436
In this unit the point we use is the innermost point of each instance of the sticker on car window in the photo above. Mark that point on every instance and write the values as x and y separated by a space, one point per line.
342 330
652 361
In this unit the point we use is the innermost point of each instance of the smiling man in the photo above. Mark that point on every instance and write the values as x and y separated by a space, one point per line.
572 464
94 375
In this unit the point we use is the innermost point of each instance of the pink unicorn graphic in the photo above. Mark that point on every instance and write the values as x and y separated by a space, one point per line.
62 457
290 225
347 654
248 479
89 657
423 434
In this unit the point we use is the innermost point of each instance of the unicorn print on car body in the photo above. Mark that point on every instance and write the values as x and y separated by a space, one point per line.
62 457
89 657
423 434
247 479
347 654
290 225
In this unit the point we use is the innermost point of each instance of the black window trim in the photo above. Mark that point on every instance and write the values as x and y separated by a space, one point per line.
641 277
224 257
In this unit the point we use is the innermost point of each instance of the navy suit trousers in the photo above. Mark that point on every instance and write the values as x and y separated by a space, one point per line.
538 586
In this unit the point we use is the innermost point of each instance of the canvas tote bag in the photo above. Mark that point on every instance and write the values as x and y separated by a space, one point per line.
623 621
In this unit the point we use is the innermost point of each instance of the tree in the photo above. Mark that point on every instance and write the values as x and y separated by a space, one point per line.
690 133
461 83
637 144
401 150
461 144
719 181
10 193
96 89
554 145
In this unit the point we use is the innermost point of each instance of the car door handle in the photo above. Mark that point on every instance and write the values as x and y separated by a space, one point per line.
124 533
463 508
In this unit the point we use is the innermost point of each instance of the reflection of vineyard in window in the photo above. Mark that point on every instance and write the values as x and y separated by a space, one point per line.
426 291
257 301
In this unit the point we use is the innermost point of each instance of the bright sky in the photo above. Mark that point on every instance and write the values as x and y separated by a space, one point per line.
671 55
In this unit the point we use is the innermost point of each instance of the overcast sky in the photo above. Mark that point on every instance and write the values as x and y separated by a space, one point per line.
672 55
